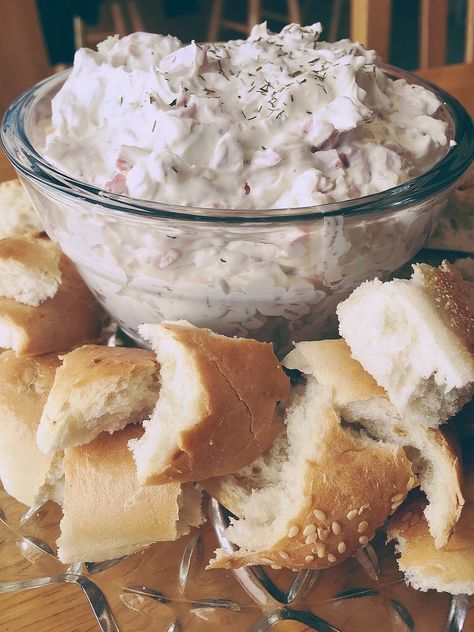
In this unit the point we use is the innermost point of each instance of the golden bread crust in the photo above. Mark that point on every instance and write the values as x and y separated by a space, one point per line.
72 317
241 383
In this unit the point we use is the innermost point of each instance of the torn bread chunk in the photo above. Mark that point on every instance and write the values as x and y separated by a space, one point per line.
29 269
217 408
26 473
72 317
17 215
434 453
97 389
107 514
416 338
450 569
316 496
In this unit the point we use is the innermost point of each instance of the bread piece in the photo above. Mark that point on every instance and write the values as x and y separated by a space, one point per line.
217 408
450 569
434 453
97 389
416 338
17 215
29 269
107 514
316 496
26 473
72 317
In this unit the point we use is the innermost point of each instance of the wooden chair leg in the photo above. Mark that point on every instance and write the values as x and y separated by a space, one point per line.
119 20
370 24
294 11
215 20
469 51
433 32
254 15
335 20
135 16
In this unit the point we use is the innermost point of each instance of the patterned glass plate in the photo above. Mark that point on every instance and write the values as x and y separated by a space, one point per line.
167 589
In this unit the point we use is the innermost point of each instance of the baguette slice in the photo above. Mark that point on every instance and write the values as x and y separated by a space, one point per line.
435 454
26 473
450 569
29 269
316 496
17 216
72 317
97 389
107 514
217 407
416 338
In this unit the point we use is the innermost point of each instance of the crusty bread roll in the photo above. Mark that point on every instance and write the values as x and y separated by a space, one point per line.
97 389
416 338
29 269
450 569
216 410
316 496
72 317
17 215
434 453
107 514
26 473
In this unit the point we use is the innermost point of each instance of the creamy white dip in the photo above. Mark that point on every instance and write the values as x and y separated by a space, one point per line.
274 121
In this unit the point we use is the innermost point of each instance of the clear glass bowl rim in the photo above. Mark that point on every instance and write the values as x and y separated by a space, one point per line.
441 176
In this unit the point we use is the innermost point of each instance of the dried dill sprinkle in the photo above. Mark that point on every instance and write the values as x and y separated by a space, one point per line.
219 63
292 98
174 168
223 260
243 114
154 126
201 77
251 118
280 113
264 148
173 103
259 68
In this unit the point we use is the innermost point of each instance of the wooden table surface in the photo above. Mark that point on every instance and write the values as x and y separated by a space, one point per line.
62 608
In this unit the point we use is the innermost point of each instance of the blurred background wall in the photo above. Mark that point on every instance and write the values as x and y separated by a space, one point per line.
40 36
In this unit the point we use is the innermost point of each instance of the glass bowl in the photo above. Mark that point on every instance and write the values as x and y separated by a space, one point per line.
274 275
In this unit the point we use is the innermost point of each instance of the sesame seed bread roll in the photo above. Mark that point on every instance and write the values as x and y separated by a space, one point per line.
97 389
17 215
29 269
72 317
217 407
107 514
434 453
450 569
26 473
316 496
416 338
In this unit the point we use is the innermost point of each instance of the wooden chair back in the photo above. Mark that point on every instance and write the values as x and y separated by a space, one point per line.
371 20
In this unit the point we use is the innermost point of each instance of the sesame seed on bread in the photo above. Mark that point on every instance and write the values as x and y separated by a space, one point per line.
317 496
434 453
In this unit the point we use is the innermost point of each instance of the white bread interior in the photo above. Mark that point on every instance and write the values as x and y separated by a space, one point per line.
435 453
29 269
107 514
71 317
17 215
217 407
97 389
416 337
316 496
26 473
450 569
